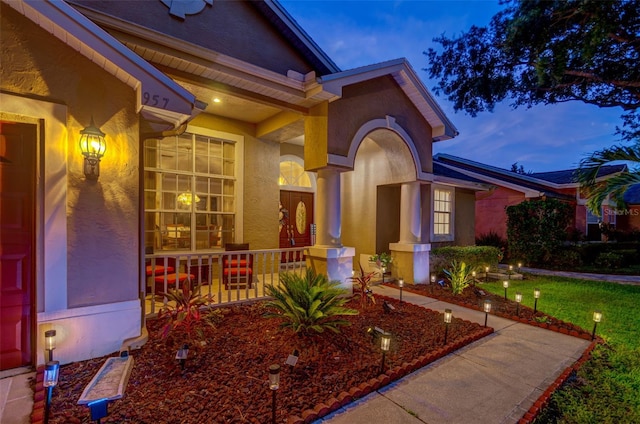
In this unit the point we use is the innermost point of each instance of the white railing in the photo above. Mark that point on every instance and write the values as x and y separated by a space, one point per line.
230 284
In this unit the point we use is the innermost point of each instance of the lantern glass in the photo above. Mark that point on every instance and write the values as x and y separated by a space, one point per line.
51 372
487 305
519 264
92 143
447 316
536 293
50 339
486 269
401 282
385 342
473 273
433 278
597 316
518 297
510 267
505 284
274 377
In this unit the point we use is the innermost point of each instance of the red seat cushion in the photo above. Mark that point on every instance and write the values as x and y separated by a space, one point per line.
172 278
158 269
235 263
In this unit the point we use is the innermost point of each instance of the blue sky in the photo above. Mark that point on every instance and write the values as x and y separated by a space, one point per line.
544 138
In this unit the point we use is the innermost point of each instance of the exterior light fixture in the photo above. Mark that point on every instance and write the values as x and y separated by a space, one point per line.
447 320
401 285
433 278
510 269
50 342
274 385
486 274
505 284
518 300
473 274
519 266
536 296
93 146
51 373
385 344
486 307
597 317
384 269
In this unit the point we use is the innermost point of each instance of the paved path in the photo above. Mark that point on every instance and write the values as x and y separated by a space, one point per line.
493 380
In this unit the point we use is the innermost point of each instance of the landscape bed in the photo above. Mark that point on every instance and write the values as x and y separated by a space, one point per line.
226 380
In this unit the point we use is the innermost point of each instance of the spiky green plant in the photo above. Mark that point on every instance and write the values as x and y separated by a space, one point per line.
459 275
308 303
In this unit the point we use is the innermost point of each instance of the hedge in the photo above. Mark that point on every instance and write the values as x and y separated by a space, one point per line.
477 257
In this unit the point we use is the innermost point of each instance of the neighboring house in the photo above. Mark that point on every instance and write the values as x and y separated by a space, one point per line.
213 115
511 188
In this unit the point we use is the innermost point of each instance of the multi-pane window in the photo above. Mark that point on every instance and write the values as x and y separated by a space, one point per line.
189 192
442 207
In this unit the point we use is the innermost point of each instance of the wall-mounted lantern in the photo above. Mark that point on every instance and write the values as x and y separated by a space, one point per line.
93 146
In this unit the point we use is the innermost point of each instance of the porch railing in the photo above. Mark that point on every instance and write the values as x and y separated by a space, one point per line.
205 270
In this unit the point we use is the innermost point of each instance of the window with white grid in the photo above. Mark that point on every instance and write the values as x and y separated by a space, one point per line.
442 212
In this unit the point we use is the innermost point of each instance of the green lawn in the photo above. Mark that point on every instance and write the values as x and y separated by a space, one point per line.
607 388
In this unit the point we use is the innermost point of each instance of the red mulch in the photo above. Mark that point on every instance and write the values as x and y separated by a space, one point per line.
225 381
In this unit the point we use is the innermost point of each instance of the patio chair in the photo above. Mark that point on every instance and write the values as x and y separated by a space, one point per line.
237 268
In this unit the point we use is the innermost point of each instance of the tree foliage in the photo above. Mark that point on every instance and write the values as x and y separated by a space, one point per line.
546 52
536 229
597 191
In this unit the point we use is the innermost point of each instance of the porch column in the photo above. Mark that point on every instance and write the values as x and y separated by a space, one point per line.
328 207
328 256
410 222
411 256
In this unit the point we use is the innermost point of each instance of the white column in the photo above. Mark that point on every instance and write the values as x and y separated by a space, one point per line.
328 208
410 217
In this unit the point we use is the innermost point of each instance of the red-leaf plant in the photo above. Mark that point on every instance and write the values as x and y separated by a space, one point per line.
362 287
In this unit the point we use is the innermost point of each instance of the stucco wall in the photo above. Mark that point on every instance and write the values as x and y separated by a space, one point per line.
464 217
102 224
233 28
375 99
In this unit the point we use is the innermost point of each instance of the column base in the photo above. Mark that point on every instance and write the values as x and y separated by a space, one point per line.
334 262
411 261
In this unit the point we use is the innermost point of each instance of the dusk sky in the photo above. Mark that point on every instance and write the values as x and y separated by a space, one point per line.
544 138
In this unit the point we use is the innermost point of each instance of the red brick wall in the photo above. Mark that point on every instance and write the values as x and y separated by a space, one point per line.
490 210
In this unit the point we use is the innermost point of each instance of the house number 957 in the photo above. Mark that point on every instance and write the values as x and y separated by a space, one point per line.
154 100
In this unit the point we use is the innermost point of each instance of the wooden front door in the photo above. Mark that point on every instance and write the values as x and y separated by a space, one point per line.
18 144
296 217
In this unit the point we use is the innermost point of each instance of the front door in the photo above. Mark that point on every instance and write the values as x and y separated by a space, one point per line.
18 144
296 217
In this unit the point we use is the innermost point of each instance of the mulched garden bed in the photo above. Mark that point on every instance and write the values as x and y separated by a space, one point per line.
226 380
473 297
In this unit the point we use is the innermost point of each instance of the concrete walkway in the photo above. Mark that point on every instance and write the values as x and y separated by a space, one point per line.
16 398
494 380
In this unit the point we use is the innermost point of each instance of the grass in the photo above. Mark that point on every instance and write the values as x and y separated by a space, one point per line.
606 389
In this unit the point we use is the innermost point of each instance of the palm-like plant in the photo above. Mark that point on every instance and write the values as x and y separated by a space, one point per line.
615 186
460 276
182 310
309 302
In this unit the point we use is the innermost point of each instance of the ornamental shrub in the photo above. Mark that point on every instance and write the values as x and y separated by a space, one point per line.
477 257
609 260
536 229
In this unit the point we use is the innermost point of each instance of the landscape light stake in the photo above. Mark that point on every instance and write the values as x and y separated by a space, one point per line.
519 267
505 284
401 285
274 385
486 274
518 300
433 278
181 355
51 372
536 296
385 342
597 317
384 269
487 309
447 321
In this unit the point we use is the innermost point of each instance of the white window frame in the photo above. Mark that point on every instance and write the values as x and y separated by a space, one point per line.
451 235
